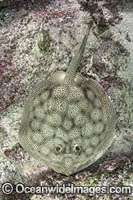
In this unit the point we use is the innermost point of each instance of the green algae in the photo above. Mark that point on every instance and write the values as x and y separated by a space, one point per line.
44 44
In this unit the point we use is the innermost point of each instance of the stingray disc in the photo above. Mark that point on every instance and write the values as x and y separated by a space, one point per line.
68 128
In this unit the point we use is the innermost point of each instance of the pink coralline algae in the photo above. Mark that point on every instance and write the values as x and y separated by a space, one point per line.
8 73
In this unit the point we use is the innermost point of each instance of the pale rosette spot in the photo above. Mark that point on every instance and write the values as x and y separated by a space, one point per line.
96 115
47 131
90 95
75 94
94 141
37 137
54 119
44 95
97 103
67 124
35 125
39 112
80 120
85 106
60 106
74 133
89 151
49 106
73 111
61 134
57 105
99 127
59 92
88 129
85 143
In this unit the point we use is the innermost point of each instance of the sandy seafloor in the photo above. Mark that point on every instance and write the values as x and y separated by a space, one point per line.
22 65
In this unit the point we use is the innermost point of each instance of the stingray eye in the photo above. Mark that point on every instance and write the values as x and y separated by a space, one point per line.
77 149
59 149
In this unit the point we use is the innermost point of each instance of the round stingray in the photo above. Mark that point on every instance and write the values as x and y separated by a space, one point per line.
67 127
